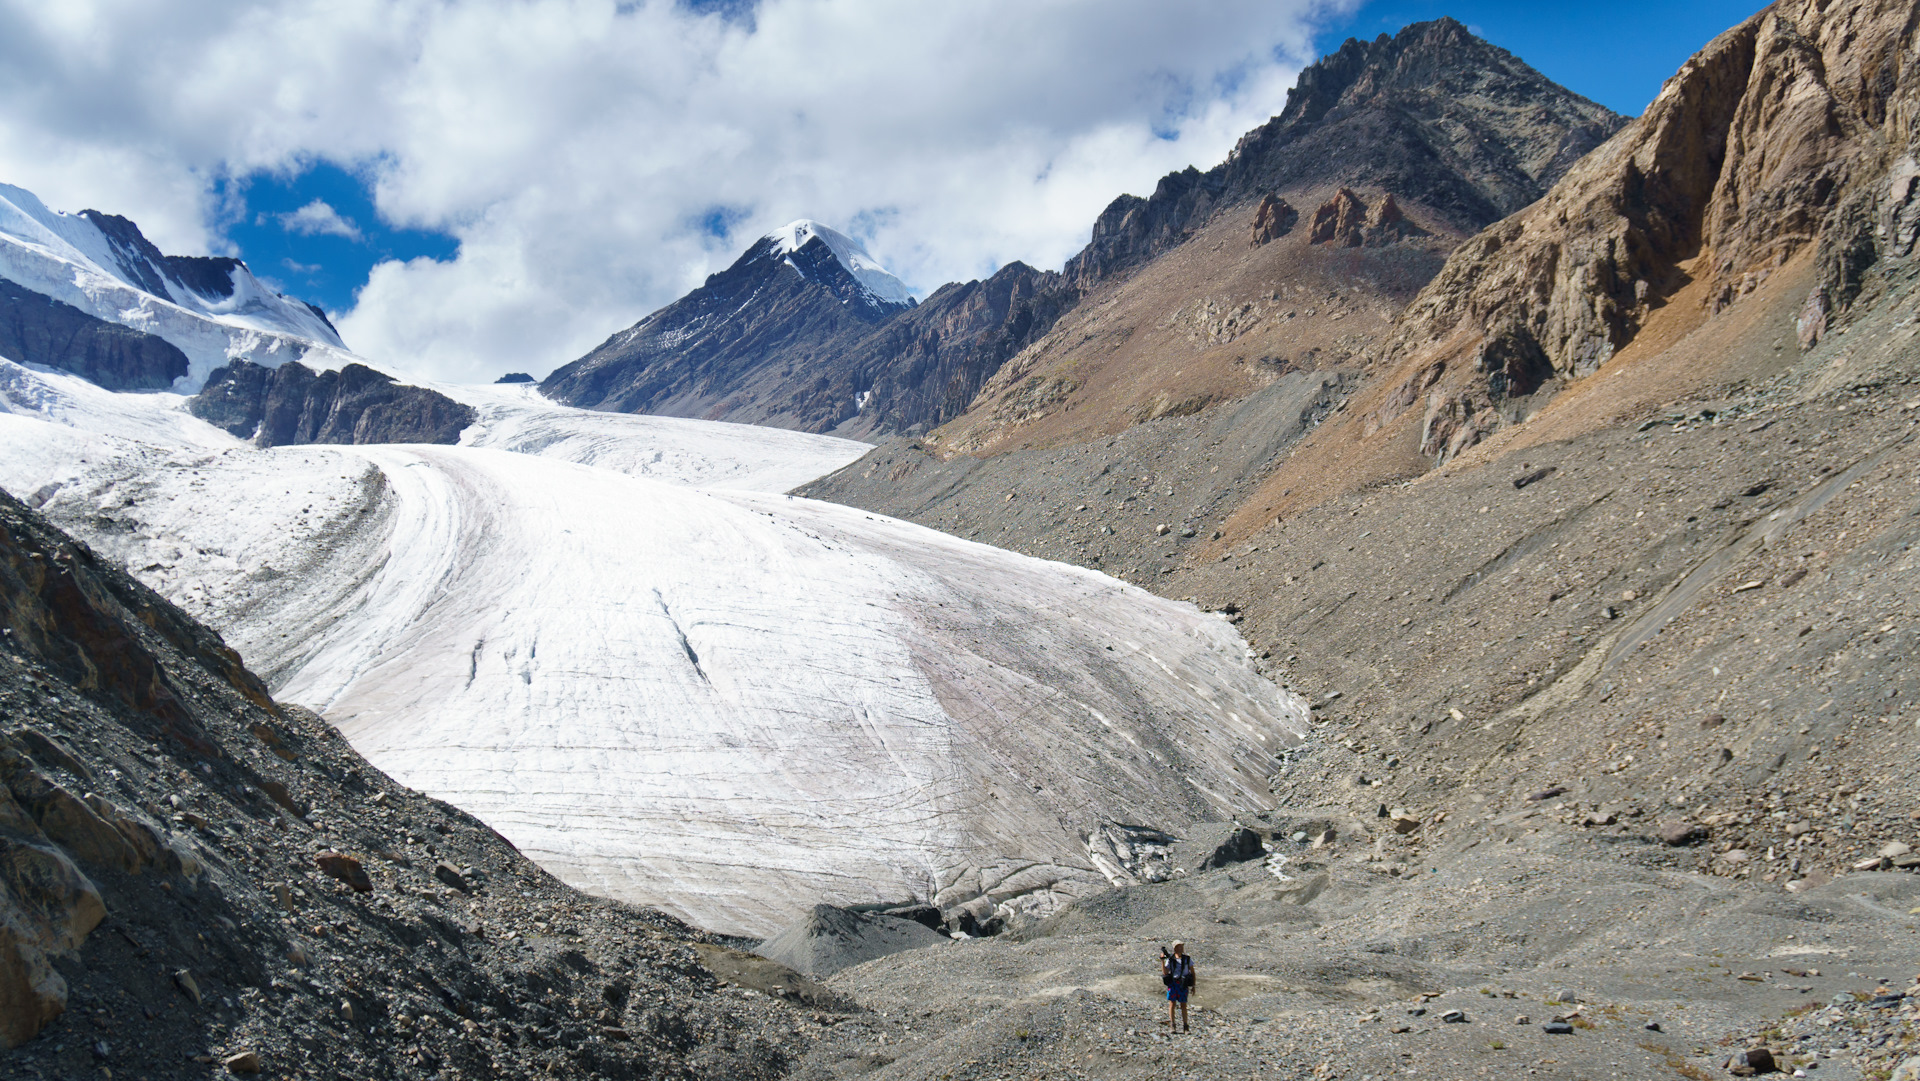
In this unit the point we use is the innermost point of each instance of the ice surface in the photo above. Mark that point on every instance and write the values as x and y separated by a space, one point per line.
666 681
708 454
66 257
864 268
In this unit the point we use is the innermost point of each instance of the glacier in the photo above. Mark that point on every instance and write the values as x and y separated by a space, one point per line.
614 639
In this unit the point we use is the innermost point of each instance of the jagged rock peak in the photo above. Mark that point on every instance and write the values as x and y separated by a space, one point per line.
1340 220
796 236
1450 123
1347 221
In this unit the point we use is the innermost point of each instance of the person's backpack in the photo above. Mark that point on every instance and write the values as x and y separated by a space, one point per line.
1182 971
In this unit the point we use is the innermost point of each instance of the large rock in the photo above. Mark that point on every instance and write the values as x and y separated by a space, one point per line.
293 404
828 939
47 908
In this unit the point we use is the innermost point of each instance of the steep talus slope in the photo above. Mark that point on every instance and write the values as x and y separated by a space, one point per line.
293 404
197 875
755 343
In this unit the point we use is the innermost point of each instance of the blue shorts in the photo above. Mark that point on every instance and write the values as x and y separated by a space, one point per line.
1176 992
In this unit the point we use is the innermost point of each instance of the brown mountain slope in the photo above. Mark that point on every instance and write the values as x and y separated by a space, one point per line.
1768 172
1289 254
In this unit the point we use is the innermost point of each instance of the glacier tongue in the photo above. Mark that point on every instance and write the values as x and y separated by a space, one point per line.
729 703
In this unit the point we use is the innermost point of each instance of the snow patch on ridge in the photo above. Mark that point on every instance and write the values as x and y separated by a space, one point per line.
865 269
67 257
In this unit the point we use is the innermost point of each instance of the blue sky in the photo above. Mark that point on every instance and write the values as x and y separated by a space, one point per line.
317 256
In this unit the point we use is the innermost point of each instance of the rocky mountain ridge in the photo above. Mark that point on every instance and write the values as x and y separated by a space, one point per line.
1432 114
292 404
755 343
1433 117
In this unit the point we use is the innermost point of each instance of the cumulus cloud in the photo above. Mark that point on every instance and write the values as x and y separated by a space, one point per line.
316 219
586 153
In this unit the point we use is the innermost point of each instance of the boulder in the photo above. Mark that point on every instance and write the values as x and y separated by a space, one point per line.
828 939
47 908
1754 1060
345 868
1273 219
1677 832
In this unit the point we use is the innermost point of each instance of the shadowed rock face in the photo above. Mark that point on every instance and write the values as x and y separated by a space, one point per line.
36 329
1447 121
761 342
924 368
293 404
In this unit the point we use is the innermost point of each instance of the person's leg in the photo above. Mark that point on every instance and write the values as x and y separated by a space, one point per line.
1184 1027
1169 1013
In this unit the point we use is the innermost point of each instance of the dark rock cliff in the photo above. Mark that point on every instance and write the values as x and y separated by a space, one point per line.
209 276
37 329
294 404
923 368
1433 114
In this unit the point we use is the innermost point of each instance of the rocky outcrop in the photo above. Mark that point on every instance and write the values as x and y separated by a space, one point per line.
293 404
37 329
1272 219
1341 220
515 377
1746 159
1449 122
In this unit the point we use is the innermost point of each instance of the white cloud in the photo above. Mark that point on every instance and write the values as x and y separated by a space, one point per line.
317 218
575 146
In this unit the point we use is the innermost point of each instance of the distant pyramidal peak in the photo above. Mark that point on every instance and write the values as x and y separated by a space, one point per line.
866 270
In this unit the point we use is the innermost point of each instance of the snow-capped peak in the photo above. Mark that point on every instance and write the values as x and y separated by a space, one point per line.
865 269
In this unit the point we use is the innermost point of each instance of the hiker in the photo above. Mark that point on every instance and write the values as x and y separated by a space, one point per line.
1176 971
